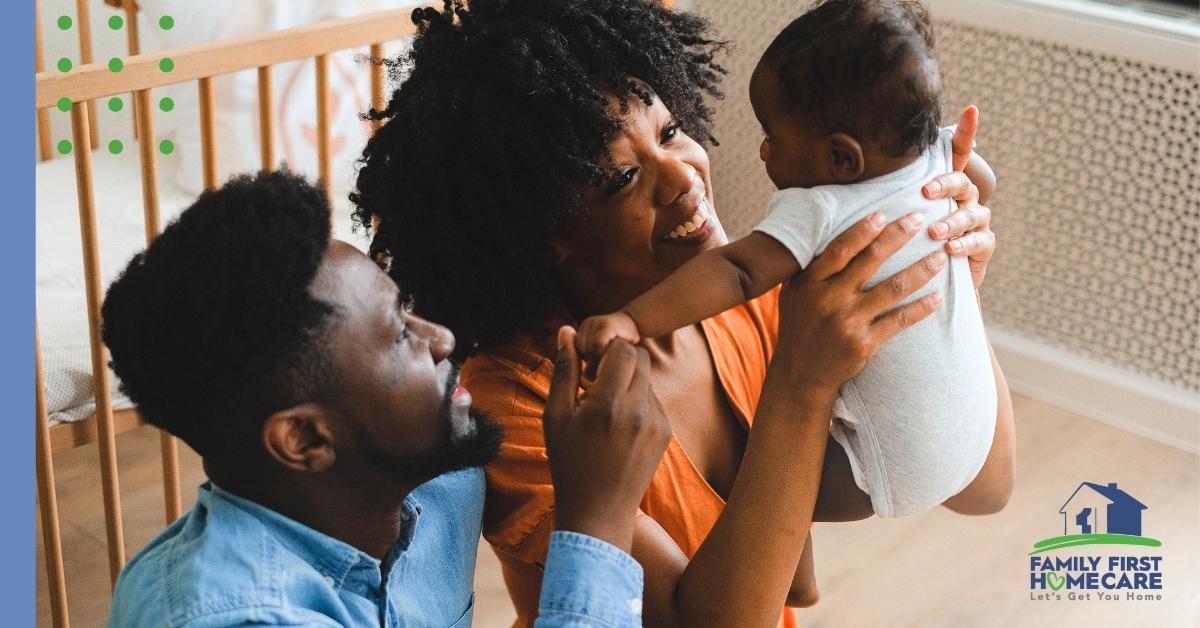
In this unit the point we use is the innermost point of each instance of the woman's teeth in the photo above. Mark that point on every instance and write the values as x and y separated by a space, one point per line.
694 222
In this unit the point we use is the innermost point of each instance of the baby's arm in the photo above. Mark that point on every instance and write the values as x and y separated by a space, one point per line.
707 285
713 282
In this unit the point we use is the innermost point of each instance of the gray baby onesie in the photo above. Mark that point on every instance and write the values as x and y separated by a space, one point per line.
917 422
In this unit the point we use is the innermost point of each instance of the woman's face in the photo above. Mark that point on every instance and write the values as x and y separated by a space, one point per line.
654 215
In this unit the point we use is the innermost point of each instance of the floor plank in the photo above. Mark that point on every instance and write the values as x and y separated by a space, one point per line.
932 570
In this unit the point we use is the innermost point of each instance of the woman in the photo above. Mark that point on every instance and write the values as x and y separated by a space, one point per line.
532 163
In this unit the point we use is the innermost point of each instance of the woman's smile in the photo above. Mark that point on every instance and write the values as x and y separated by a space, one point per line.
695 228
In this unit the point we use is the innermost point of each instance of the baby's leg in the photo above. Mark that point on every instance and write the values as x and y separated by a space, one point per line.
989 492
839 498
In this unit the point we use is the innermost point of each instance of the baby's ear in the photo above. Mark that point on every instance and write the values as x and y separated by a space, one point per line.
846 163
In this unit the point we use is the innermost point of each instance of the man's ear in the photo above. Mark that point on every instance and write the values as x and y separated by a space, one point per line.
559 251
300 438
846 163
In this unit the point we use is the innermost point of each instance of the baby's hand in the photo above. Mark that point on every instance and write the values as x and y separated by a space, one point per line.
596 332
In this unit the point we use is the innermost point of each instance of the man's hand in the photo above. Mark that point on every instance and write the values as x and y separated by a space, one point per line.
597 331
605 447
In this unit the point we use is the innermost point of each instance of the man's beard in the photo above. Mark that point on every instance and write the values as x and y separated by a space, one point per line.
476 448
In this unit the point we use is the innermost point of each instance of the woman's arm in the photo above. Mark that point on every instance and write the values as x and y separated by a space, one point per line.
742 573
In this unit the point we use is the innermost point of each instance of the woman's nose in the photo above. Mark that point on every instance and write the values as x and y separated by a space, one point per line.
676 179
440 339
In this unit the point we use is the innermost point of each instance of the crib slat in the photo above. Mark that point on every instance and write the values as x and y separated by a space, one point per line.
48 502
135 48
266 121
170 460
377 70
39 60
208 139
84 24
323 125
149 161
100 380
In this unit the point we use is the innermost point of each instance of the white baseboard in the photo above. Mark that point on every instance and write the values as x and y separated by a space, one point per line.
1146 407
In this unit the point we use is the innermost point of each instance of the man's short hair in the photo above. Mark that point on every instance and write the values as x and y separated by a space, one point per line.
212 328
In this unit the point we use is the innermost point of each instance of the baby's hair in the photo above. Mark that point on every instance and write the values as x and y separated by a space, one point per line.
864 67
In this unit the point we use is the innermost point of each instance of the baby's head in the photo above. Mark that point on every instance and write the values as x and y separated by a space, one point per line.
848 91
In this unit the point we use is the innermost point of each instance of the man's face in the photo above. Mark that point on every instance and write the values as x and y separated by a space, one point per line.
398 405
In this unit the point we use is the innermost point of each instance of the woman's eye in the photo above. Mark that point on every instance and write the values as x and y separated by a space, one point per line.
623 179
670 132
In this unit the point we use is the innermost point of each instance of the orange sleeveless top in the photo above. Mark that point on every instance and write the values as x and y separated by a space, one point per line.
512 384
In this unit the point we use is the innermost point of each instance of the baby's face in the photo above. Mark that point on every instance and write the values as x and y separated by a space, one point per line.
794 155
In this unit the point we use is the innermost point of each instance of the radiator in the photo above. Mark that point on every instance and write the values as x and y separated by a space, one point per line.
1091 120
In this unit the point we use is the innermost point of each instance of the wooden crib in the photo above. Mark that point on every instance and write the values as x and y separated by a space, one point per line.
141 74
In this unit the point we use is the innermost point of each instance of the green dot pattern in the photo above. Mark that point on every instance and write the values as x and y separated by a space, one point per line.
115 104
166 146
166 22
64 104
64 22
166 104
64 65
115 147
115 64
115 22
166 64
64 147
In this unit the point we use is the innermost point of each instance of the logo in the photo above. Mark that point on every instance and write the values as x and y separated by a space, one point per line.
1097 514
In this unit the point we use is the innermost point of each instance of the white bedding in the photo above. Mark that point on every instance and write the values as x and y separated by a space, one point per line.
61 303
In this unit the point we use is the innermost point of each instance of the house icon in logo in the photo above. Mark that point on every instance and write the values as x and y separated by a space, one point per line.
1102 509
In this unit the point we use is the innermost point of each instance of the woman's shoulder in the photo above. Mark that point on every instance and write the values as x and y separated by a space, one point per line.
513 374
741 341
750 327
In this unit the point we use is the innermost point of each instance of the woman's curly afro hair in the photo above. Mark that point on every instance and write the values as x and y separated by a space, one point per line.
499 122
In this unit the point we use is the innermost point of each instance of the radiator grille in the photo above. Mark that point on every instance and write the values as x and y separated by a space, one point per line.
1097 208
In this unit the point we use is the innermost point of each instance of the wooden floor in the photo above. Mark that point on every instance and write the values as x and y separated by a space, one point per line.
937 569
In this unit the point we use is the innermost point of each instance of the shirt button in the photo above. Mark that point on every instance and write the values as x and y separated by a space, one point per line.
635 606
329 580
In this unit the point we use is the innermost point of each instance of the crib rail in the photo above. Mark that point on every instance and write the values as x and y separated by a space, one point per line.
140 75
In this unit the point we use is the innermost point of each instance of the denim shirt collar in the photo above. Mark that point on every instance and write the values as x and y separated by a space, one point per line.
342 564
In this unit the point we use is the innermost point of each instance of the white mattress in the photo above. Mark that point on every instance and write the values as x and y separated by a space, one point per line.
61 302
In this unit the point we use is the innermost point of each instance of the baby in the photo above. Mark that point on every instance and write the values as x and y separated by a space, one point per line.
849 98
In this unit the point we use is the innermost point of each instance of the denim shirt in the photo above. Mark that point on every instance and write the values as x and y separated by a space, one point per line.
232 562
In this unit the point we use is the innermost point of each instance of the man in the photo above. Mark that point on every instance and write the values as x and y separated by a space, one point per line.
343 455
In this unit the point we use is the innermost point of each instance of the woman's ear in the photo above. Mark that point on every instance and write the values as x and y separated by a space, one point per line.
846 162
300 438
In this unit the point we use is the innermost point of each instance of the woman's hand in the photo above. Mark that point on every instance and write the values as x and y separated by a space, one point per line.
967 231
830 326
